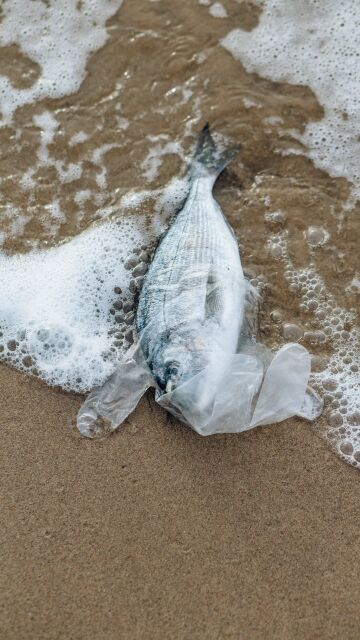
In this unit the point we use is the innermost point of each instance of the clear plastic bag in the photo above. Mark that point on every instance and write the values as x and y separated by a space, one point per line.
196 324
250 393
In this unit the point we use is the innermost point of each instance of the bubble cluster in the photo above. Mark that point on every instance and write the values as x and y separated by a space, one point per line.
217 10
315 44
337 375
317 236
153 160
58 35
67 314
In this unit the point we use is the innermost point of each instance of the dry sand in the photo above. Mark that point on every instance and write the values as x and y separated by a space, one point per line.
158 533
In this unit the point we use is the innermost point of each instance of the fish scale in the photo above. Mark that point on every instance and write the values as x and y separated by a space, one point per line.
199 239
192 301
191 343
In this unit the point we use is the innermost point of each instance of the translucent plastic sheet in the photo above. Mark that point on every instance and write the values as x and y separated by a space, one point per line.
196 344
108 406
197 347
250 394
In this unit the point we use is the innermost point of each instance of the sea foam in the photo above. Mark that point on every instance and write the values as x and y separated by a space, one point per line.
59 36
315 44
337 375
67 313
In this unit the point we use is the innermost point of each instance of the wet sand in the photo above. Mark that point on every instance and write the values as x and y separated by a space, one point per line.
158 533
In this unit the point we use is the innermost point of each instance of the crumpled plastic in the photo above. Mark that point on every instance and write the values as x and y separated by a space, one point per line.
196 342
252 392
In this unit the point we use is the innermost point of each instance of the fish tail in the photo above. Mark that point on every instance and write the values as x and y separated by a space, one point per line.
209 155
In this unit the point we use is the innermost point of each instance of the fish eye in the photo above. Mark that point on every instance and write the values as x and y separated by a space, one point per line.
172 369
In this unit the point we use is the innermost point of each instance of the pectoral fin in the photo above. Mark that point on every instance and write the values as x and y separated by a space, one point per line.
214 297
250 326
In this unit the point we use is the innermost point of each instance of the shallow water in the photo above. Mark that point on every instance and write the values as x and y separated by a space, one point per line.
104 138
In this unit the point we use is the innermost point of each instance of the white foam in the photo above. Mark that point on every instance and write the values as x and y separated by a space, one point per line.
27 181
354 286
338 380
314 44
55 305
97 157
48 126
78 138
168 200
249 103
122 123
153 160
56 311
82 195
15 220
55 211
58 35
70 172
217 10
317 236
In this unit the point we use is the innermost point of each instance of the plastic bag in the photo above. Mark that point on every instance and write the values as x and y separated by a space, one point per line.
251 392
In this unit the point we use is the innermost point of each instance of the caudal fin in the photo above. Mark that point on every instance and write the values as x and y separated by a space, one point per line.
208 154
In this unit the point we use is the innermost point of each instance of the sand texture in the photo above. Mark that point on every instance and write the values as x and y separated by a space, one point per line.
158 533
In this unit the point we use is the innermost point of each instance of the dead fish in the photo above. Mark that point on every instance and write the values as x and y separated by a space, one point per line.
190 321
192 300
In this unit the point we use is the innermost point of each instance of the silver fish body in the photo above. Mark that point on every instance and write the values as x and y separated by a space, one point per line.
193 326
191 305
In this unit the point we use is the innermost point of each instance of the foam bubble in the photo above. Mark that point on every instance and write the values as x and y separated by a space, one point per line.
314 44
317 236
58 35
217 10
337 379
66 314
153 160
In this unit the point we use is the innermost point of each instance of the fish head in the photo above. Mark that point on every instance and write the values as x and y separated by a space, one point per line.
177 359
172 375
170 362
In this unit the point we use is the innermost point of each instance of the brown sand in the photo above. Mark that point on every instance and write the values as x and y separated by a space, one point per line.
158 533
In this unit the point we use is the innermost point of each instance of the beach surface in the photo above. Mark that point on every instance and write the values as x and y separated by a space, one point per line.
158 533
154 532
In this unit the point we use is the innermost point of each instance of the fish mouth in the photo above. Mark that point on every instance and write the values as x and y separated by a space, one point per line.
172 377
